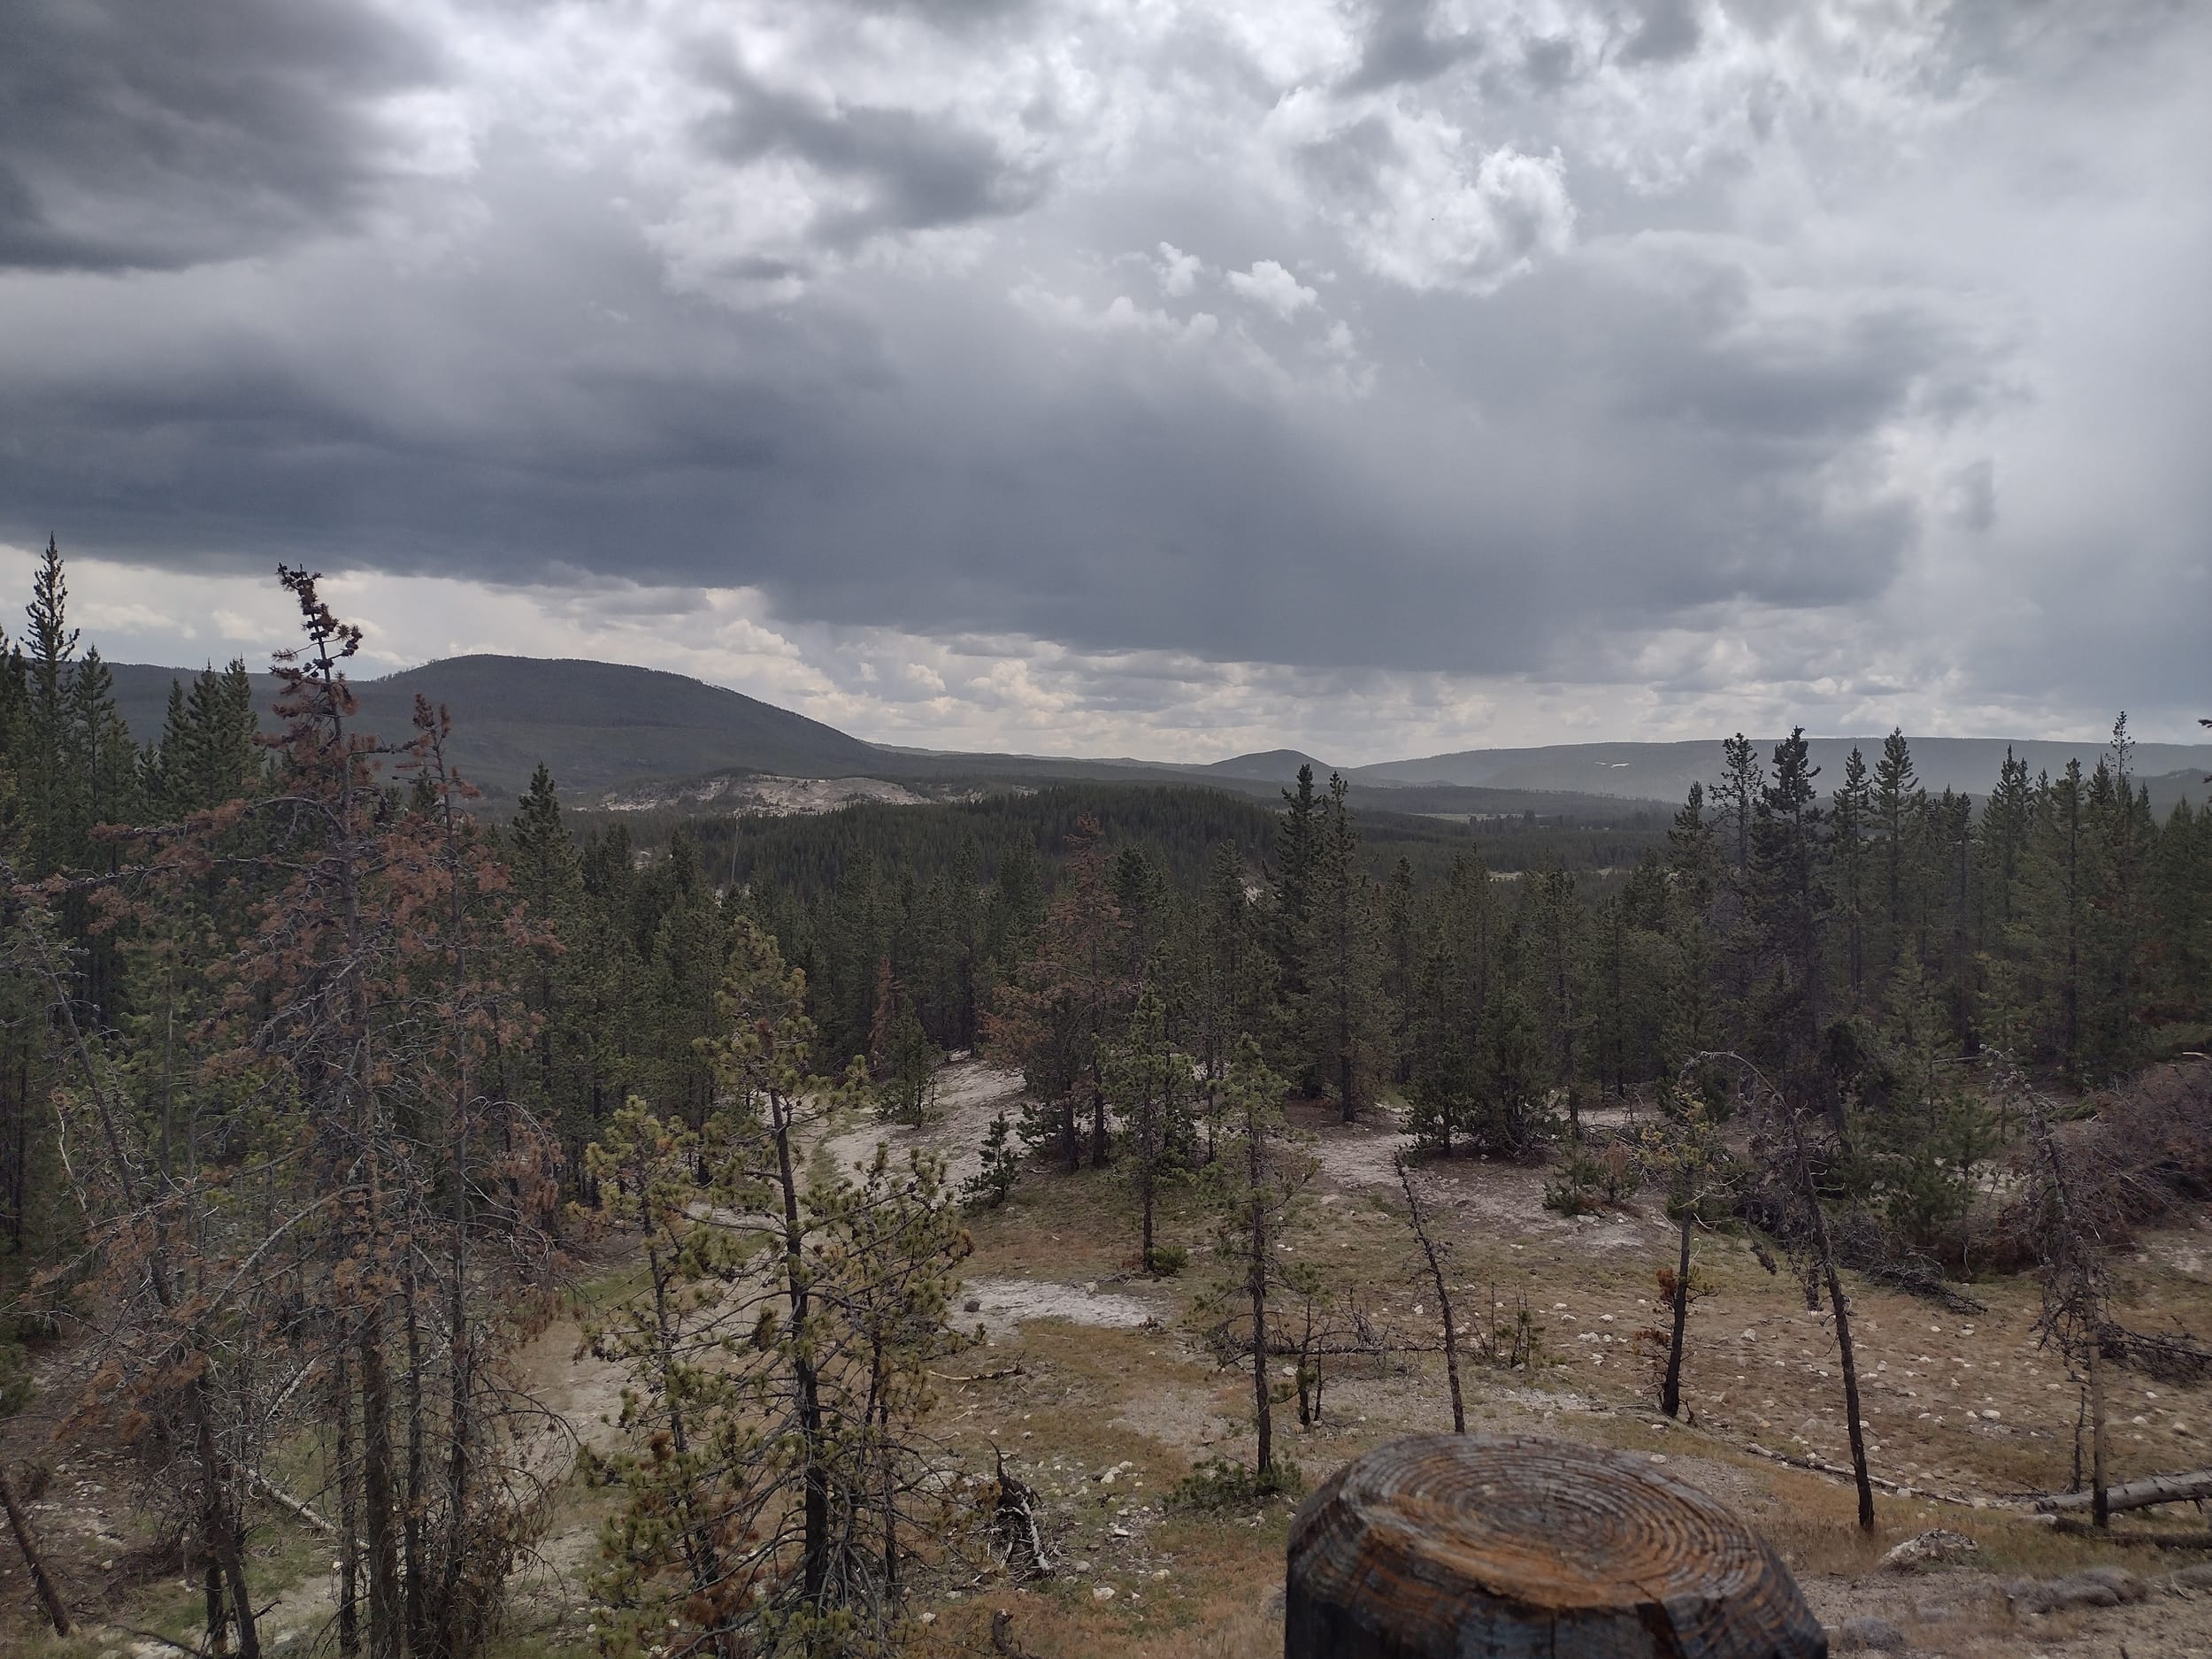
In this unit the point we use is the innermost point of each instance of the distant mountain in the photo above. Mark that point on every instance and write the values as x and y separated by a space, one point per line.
1665 771
602 726
1274 765
596 725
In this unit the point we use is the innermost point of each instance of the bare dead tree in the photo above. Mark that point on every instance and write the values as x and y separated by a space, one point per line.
1795 1139
2075 1288
1687 1155
1435 1253
27 1541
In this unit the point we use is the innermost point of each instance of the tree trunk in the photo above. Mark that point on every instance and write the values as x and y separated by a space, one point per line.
1256 1286
1438 1546
1670 1391
348 1508
2137 1494
1857 1429
379 1499
1101 1152
26 1540
2101 1497
814 1545
1443 1295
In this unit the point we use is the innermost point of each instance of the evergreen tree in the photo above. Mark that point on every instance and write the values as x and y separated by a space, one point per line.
1451 999
1558 927
1149 1080
1852 810
1297 855
1788 910
1052 1020
1343 1011
1897 800
1263 1172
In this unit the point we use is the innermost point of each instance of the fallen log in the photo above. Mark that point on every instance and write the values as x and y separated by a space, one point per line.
2168 1357
2136 1495
285 1500
2136 1535
1841 1471
26 1540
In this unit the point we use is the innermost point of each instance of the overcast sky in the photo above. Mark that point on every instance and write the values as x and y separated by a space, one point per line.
1141 376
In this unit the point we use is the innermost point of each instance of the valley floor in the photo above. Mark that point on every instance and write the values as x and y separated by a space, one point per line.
1089 1379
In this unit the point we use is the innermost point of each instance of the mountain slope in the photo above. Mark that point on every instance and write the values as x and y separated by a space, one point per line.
1665 771
604 726
596 725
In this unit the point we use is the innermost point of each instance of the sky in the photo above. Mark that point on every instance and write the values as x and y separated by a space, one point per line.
1159 377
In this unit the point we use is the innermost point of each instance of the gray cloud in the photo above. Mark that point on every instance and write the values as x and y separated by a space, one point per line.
1664 30
137 136
916 173
1404 47
867 319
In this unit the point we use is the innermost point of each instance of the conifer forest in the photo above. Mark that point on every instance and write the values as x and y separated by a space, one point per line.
435 1227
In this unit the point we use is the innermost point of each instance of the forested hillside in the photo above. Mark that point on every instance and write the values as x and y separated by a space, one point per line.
316 1082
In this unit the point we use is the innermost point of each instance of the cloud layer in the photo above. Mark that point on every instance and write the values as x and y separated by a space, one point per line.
1408 371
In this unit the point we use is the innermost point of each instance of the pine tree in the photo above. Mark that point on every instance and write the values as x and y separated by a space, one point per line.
1149 1081
1446 1024
1852 808
1297 857
1263 1171
1787 907
1226 976
1737 795
1054 1019
1693 887
1897 800
1401 948
1557 928
1344 1016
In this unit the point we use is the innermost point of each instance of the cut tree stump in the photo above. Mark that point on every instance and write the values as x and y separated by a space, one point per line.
1444 1545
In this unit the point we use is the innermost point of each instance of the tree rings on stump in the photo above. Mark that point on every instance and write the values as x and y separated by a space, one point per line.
1453 1545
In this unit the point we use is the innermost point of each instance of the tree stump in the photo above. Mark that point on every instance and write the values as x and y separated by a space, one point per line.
1451 1546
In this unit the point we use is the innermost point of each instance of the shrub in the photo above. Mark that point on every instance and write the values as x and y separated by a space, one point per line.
1217 1484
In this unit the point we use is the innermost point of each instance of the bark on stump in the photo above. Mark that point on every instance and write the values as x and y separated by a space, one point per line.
1450 1547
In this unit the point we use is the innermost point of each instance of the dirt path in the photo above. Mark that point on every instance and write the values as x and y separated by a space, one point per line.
968 1094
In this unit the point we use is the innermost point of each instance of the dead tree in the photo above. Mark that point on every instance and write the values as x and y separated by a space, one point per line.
26 1540
1687 1155
2075 1289
1792 1135
1434 1254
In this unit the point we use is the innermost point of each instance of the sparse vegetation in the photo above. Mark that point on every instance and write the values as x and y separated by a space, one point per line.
316 1087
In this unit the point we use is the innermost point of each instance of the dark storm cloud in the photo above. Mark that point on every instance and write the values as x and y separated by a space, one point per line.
1651 450
160 136
918 172
1547 373
1403 48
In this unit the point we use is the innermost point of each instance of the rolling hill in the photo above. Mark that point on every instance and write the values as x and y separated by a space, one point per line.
604 726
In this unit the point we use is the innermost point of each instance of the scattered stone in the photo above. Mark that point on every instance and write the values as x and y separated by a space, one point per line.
1941 1547
2197 1576
2092 1586
1866 1631
1102 1593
